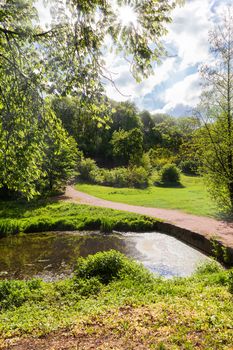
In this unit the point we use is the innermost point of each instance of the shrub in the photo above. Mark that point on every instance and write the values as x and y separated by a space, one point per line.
189 167
170 174
96 176
209 268
146 163
159 157
87 287
85 167
104 265
117 177
109 266
109 177
138 177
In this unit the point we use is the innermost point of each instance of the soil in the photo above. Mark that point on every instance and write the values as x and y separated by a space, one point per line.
126 328
209 227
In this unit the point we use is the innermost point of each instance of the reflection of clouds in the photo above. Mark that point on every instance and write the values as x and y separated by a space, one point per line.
53 255
166 255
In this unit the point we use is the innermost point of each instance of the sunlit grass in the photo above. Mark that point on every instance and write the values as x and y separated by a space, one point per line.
43 216
192 197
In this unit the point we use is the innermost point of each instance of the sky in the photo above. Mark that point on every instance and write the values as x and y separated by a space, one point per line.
174 87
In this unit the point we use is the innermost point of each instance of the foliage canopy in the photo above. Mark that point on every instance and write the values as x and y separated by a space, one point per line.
66 58
215 137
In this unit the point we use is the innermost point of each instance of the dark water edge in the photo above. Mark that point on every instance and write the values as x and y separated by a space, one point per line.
53 255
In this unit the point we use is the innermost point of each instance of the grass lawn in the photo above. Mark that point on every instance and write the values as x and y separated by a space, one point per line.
191 198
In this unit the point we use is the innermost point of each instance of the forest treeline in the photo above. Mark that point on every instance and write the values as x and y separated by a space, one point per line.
128 134
130 145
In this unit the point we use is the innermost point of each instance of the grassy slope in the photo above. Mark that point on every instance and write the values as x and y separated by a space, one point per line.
44 216
192 198
136 309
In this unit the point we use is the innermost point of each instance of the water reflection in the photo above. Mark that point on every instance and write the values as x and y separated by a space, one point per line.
53 255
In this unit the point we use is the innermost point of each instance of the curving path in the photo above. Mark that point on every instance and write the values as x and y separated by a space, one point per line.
206 226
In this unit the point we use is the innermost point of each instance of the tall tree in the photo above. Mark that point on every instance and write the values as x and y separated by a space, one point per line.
151 136
66 58
215 137
69 56
127 146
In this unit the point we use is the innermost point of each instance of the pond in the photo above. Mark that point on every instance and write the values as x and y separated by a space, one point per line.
53 255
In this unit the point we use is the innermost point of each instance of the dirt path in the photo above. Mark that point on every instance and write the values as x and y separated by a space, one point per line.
206 226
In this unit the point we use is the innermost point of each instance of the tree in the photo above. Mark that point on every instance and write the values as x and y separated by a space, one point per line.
92 137
60 157
127 146
67 58
215 137
80 123
151 136
124 116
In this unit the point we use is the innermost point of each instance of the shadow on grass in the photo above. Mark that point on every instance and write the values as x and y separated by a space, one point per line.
168 185
225 216
17 208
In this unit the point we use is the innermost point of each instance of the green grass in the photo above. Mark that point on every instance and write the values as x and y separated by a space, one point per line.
42 216
191 198
130 306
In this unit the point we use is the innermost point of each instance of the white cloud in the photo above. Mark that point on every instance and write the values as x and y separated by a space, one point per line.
43 13
185 93
189 32
126 83
187 90
188 36
175 83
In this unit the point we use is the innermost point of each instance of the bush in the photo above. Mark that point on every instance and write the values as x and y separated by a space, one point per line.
87 287
189 167
170 174
159 157
109 266
138 177
104 265
146 163
85 167
118 177
209 268
96 176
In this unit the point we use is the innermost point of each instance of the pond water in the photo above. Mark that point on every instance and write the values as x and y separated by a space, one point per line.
53 255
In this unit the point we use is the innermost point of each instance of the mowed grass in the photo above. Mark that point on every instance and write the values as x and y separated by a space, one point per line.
192 197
